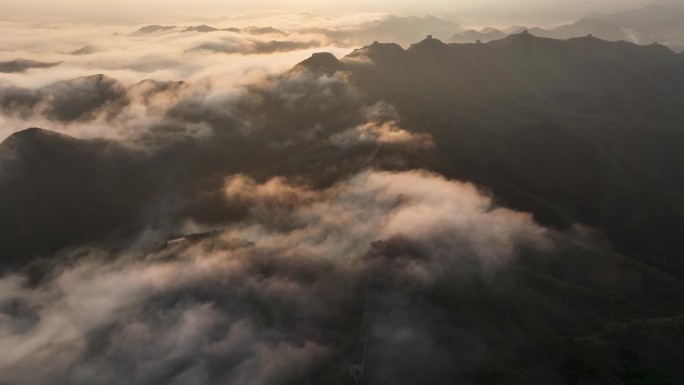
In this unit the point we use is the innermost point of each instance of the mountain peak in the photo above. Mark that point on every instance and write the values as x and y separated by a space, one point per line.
322 61
31 141
378 52
154 28
428 43
32 135
200 28
524 38
382 48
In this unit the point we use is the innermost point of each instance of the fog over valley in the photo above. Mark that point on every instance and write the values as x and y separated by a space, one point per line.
315 193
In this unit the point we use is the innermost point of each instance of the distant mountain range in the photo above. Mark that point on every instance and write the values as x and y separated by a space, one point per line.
151 29
655 23
401 30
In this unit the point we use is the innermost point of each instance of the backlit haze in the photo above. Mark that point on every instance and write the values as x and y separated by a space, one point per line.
483 11
475 192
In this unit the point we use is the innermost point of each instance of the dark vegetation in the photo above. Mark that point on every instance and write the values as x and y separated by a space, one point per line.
577 131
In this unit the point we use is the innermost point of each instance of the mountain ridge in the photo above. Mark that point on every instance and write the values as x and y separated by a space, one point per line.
583 134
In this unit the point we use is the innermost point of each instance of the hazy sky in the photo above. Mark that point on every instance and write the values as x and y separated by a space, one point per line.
480 10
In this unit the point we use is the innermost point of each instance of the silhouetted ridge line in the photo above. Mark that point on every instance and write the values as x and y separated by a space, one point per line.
324 61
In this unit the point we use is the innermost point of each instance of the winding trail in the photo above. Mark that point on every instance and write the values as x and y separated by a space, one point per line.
356 370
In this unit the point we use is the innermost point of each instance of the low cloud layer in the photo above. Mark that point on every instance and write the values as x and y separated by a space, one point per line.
255 47
100 106
381 126
31 67
240 237
274 299
297 107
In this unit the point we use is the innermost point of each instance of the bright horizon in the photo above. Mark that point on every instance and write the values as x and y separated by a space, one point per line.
500 12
